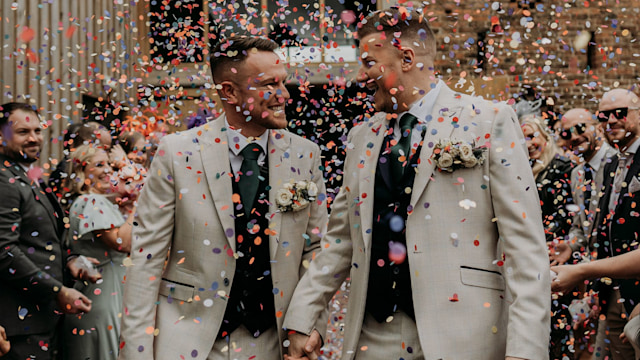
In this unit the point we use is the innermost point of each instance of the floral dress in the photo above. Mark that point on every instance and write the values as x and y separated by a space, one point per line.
95 335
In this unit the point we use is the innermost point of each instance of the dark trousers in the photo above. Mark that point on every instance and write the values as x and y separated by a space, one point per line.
34 346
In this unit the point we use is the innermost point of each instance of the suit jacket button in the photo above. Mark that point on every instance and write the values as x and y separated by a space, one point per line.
226 282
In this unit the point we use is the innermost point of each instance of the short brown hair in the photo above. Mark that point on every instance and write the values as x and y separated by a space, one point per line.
9 108
398 24
234 51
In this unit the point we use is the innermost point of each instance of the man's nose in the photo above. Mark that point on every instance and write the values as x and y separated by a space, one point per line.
33 136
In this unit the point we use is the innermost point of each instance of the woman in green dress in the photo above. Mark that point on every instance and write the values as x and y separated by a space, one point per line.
97 229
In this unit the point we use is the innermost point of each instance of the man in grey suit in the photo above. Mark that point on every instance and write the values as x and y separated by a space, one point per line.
239 203
32 257
437 222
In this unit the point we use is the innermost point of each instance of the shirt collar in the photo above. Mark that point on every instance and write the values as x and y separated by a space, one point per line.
237 141
596 160
423 107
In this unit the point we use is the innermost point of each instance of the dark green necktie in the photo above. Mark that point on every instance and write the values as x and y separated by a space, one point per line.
401 151
249 172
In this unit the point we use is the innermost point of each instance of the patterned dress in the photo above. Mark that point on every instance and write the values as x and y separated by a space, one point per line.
95 335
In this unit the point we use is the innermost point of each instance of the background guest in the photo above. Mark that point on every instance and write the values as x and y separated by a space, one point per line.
32 256
552 172
97 229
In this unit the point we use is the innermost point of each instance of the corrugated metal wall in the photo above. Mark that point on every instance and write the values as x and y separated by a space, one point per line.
54 51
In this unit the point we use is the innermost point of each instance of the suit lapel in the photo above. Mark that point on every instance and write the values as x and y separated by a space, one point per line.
279 155
371 144
599 182
607 188
38 192
634 169
217 168
444 109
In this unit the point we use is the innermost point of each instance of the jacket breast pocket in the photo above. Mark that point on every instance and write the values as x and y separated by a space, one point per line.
178 291
481 278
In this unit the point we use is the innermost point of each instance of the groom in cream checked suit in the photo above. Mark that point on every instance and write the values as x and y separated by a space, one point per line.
239 204
437 223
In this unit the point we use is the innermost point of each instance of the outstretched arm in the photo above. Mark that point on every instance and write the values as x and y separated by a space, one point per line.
621 267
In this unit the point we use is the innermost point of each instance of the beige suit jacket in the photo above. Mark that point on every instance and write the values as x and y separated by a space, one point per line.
581 233
174 306
475 243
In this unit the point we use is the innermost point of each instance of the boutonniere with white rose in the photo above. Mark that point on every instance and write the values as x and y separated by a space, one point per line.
296 195
450 155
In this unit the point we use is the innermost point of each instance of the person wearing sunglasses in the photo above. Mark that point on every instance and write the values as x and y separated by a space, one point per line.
617 222
583 137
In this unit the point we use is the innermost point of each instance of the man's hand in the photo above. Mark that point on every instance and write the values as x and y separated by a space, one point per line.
304 347
5 346
569 276
560 253
72 301
83 268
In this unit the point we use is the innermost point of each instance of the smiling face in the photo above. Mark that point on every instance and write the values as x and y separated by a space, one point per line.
98 172
579 133
138 153
381 71
258 93
535 141
621 132
22 136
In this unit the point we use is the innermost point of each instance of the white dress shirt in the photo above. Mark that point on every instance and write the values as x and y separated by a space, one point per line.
237 142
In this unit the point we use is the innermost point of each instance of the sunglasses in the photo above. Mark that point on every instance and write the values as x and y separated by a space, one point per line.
619 113
578 129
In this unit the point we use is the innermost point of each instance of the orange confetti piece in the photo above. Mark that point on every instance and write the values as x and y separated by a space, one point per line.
69 32
181 261
27 34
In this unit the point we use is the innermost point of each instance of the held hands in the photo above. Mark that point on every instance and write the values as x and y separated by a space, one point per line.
304 346
569 276
82 268
72 301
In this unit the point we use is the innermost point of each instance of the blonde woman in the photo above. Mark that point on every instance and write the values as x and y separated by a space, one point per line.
552 172
99 230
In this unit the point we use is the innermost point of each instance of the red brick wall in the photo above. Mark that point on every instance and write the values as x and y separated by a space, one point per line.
546 58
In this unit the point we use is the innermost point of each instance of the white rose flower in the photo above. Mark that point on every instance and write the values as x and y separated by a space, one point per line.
301 185
288 186
312 189
284 197
466 152
445 161
470 162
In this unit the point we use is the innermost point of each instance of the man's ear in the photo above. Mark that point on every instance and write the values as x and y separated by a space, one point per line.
408 58
229 92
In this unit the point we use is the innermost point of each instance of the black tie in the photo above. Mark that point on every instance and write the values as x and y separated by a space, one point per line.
588 184
249 172
400 152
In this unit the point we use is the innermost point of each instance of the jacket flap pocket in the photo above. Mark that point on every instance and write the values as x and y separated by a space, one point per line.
481 278
176 290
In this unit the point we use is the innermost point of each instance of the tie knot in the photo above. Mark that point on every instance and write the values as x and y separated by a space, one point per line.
251 151
407 121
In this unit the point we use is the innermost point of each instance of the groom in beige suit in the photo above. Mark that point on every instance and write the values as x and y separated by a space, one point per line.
437 222
239 205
